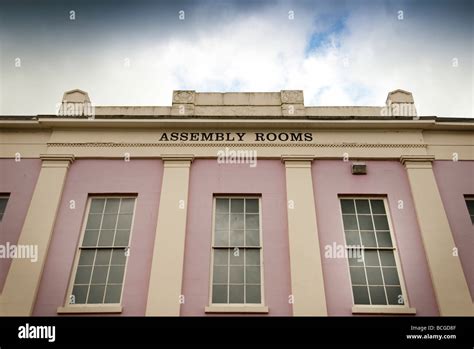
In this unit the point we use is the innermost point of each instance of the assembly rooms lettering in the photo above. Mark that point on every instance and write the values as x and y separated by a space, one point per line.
236 136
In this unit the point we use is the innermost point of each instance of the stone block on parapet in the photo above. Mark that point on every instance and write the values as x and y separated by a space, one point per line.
292 103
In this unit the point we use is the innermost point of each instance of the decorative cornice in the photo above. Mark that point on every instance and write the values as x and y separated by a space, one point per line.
268 145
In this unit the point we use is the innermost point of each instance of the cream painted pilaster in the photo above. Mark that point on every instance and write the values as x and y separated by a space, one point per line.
24 276
449 282
168 253
307 282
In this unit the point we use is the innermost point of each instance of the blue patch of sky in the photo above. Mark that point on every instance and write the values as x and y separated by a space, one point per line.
323 39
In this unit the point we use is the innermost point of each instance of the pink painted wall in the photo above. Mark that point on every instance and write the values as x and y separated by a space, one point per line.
19 180
209 178
332 178
456 179
141 177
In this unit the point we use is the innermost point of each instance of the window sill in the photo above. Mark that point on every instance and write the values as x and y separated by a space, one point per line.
370 309
90 309
237 308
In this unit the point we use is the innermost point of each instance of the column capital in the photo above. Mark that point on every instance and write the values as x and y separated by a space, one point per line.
56 160
297 160
417 161
177 160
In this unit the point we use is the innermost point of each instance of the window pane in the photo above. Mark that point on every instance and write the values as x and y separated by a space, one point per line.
357 253
350 222
237 256
127 205
221 257
220 274
122 237
119 257
83 275
371 258
103 257
347 206
112 294
252 257
365 222
97 205
109 221
394 295
387 258
106 237
384 239
79 294
251 221
222 205
355 261
236 275
374 276
361 295
3 204
237 205
236 293
377 206
390 275
253 294
90 238
87 257
112 206
377 295
219 294
362 206
236 221
252 238
96 294
368 239
99 276
222 222
358 276
252 275
116 274
237 238
124 221
352 238
251 205
93 221
381 222
221 238
470 206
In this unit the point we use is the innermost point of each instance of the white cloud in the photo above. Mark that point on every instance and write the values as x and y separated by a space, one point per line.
265 51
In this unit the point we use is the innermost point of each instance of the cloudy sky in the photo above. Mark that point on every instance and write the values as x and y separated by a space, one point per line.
136 52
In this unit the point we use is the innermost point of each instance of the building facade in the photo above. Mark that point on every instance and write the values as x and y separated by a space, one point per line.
236 203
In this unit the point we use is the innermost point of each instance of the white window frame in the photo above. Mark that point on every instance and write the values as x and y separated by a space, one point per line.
394 248
228 306
83 307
